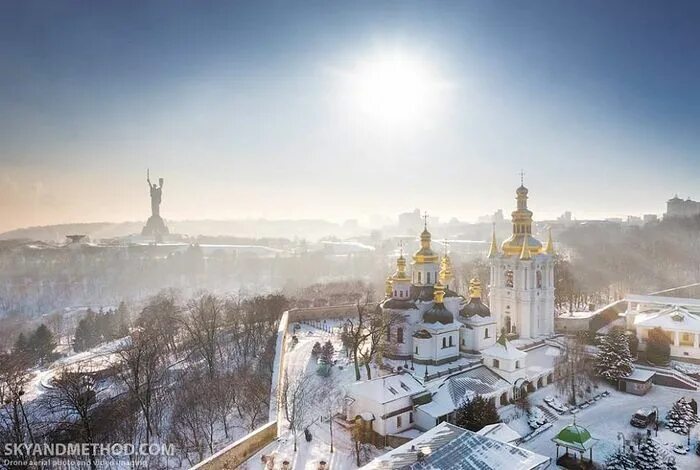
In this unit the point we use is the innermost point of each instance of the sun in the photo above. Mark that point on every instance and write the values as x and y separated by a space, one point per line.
395 89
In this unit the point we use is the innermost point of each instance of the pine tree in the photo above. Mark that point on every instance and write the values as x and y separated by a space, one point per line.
648 456
658 347
680 417
316 350
620 460
42 342
477 413
614 359
327 352
21 346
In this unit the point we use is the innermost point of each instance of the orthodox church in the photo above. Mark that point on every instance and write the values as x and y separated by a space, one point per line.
439 324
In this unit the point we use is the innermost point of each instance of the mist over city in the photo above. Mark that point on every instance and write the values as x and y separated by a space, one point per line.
380 235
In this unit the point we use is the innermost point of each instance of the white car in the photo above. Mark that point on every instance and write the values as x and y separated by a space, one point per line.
680 449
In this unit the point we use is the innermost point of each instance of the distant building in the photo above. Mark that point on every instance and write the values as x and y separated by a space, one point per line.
634 220
677 207
565 217
650 218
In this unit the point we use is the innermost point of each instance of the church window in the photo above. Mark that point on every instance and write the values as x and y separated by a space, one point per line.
399 335
539 279
509 278
451 344
517 364
496 363
444 342
419 277
428 277
463 342
410 416
526 279
416 350
395 293
486 333
398 421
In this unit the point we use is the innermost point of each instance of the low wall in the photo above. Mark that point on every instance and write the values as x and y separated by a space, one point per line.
326 313
235 454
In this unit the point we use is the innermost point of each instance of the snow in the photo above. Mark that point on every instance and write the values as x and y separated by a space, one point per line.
500 432
610 415
640 375
298 359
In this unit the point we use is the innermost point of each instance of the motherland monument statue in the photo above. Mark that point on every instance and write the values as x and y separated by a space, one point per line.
155 226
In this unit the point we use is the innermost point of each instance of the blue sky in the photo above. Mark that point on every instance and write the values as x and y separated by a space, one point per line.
239 105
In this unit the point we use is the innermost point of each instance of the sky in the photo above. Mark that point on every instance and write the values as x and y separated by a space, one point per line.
341 110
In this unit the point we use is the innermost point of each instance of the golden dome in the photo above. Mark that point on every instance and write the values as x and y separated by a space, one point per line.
400 274
522 229
425 254
474 288
388 287
446 275
438 293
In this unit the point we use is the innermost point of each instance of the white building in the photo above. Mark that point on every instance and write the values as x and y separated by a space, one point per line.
385 402
522 278
679 318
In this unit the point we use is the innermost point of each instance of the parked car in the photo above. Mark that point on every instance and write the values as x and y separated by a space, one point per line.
643 417
680 449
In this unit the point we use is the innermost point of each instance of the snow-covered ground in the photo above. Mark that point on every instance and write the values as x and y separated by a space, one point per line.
309 454
610 415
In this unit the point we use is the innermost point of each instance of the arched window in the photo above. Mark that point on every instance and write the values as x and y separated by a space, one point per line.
486 333
451 344
427 275
444 342
399 335
419 277
539 279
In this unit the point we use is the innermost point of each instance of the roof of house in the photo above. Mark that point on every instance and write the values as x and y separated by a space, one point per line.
673 318
504 350
407 453
501 432
454 391
388 388
471 451
640 375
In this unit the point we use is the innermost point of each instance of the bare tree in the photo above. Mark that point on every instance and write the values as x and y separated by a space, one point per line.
202 322
572 369
142 368
332 402
72 400
298 397
14 423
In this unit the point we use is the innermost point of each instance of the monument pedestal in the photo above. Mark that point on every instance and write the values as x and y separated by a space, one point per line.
155 227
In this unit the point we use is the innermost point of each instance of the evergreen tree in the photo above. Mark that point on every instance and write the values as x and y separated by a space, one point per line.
614 359
680 417
327 352
316 350
21 346
42 342
658 347
477 413
620 460
648 456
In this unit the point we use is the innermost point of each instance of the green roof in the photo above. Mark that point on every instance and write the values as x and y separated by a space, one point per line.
575 437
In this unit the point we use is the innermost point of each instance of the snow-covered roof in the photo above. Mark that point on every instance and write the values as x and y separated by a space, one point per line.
501 432
504 350
576 315
454 391
673 318
640 375
407 453
660 300
388 388
438 327
475 452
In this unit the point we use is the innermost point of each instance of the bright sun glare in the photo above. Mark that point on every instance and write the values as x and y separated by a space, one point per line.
395 89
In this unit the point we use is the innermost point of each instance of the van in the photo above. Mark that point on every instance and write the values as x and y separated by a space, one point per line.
643 418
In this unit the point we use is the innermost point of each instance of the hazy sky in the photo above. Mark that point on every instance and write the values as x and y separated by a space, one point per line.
345 109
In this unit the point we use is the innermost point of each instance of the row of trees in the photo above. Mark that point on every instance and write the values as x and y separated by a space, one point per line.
192 373
36 347
97 327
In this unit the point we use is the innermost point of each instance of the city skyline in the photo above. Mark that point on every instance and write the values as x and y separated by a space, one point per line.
344 112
